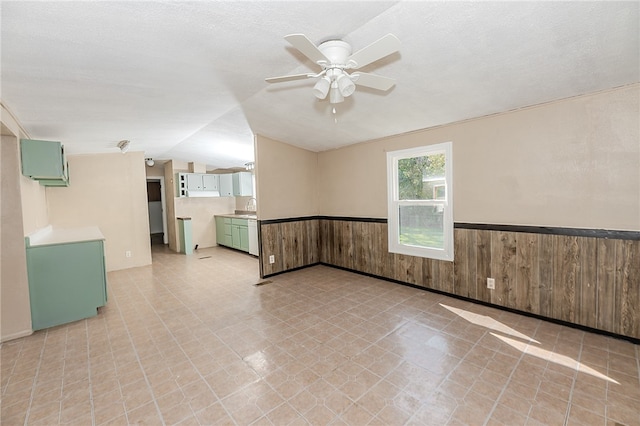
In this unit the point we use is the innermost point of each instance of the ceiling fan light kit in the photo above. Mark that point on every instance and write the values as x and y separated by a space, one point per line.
335 58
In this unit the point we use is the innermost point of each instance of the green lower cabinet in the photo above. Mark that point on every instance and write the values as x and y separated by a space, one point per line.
232 232
184 235
223 231
244 238
240 234
67 282
235 236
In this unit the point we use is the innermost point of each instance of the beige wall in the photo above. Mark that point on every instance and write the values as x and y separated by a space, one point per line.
108 191
156 171
15 312
571 163
286 179
34 205
243 202
354 181
169 197
202 212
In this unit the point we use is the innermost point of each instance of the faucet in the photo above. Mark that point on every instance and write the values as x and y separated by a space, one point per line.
255 202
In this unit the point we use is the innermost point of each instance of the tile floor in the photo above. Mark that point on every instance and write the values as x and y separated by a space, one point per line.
191 340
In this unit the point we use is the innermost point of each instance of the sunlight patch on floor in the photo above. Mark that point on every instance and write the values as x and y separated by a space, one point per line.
554 357
488 322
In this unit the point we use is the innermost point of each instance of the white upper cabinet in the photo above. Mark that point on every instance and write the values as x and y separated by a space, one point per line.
226 185
242 184
238 184
194 182
198 185
210 182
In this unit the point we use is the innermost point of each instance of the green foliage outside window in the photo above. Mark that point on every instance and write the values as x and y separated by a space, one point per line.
419 176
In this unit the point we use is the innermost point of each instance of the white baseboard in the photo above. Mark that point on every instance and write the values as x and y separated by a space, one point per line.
14 336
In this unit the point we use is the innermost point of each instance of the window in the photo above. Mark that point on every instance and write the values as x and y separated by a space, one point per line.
420 201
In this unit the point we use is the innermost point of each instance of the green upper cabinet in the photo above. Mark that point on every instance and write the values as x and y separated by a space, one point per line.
44 161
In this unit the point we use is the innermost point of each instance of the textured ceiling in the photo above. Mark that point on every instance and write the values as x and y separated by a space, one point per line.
185 80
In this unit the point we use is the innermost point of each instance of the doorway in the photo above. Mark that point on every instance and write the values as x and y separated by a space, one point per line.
157 210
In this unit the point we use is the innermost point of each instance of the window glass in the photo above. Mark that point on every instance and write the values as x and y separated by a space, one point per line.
420 209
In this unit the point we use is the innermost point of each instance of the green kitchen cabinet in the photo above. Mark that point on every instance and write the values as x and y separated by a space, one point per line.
243 232
232 232
67 279
185 235
240 234
44 161
223 231
235 236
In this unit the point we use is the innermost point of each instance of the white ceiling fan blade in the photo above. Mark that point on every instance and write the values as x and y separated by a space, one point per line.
292 77
308 49
372 80
376 50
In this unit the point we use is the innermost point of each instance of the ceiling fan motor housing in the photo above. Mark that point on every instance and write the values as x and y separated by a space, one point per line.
337 51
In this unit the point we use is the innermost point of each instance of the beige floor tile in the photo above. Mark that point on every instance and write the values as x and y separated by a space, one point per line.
582 416
503 415
392 415
144 414
14 413
192 341
109 413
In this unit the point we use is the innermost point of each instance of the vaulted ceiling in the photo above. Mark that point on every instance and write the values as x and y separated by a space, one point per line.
185 80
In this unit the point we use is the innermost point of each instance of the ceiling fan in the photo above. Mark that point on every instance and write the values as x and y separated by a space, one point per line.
335 58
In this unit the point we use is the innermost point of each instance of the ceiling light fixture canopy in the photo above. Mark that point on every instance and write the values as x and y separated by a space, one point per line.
124 145
149 162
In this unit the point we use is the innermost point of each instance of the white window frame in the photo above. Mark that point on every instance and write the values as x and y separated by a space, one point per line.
393 204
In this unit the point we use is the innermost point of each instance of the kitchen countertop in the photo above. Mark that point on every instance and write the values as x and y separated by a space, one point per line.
238 216
49 236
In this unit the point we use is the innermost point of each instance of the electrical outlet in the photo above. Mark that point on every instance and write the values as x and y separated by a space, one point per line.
272 259
491 283
127 253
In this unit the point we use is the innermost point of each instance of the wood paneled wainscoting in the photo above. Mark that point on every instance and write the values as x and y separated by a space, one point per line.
294 243
585 277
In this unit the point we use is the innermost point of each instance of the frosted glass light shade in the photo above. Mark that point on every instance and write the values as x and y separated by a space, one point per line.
321 88
346 86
